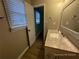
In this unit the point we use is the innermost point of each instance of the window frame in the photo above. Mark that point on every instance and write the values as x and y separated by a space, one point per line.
11 27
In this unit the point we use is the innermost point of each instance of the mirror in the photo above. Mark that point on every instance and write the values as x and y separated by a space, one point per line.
70 16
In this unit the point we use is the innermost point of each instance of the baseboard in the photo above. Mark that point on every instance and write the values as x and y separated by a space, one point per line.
20 56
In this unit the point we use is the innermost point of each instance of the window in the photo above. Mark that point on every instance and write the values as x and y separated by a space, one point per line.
16 13
37 17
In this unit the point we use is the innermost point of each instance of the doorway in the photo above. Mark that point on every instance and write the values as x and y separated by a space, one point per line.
39 21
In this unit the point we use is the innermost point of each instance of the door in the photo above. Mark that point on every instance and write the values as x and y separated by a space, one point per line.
39 21
31 23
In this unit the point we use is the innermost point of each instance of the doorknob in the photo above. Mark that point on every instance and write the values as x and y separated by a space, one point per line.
29 30
1 17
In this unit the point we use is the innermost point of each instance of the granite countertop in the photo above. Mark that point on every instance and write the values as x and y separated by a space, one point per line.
56 40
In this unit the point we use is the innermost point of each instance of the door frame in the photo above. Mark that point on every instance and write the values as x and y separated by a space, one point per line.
37 6
27 30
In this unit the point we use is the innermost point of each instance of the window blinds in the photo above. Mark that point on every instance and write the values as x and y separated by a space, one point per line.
16 13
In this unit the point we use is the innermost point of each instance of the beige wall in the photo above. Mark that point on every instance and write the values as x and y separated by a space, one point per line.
37 2
52 11
71 16
28 1
12 44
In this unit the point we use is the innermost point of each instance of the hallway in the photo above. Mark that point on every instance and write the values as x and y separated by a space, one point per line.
36 51
22 22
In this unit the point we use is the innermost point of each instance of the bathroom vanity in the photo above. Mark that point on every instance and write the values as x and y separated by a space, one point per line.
59 47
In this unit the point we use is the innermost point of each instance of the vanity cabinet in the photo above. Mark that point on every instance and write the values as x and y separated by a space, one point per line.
52 53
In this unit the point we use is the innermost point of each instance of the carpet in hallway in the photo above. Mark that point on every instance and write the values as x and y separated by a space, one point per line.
36 51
